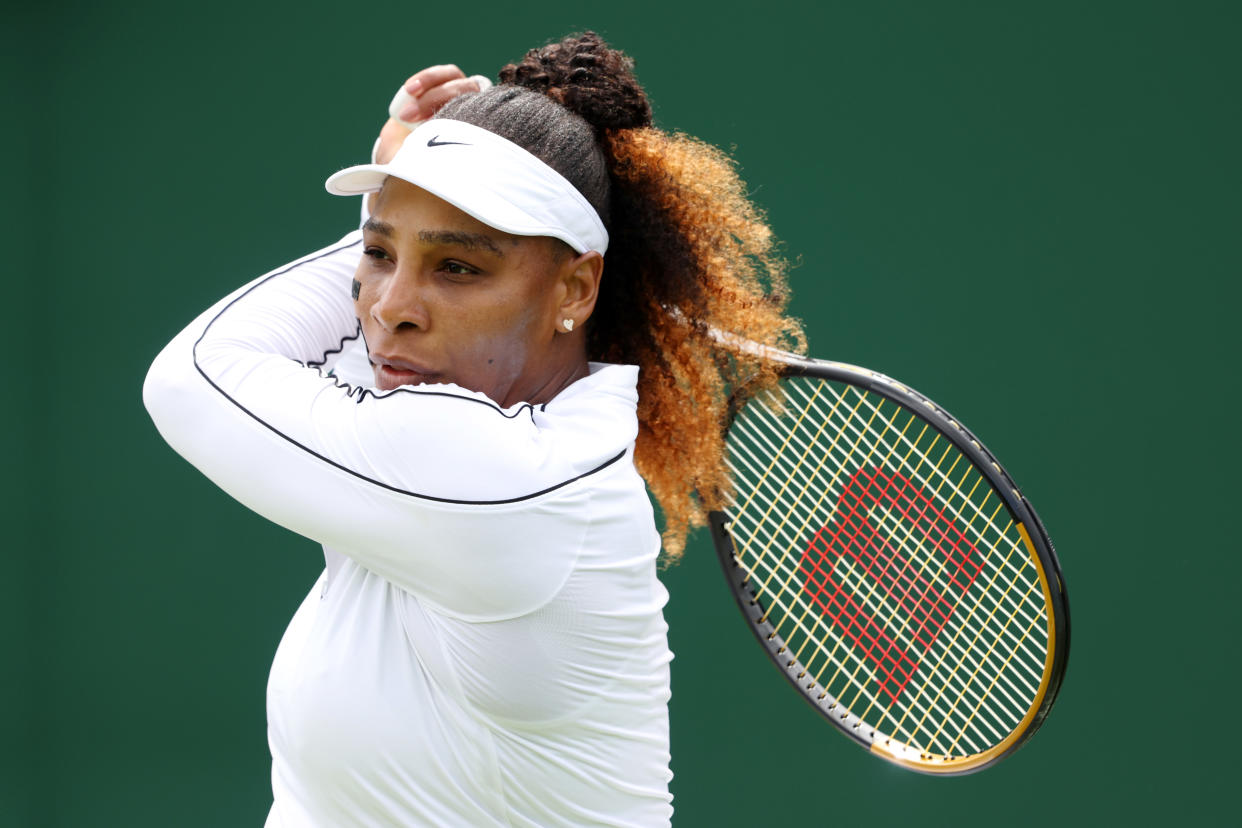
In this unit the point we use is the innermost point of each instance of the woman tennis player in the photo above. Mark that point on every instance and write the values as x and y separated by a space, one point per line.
534 282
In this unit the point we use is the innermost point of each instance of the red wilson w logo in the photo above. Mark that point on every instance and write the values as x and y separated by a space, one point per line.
855 563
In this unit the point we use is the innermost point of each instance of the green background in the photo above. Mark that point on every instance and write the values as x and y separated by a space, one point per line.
1028 211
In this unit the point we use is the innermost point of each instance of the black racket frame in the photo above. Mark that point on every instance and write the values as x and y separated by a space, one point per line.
1015 502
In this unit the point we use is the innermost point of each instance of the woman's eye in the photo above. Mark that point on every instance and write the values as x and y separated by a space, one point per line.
376 253
458 269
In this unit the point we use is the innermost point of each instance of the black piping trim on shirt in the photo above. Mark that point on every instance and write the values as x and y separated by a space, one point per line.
320 363
362 393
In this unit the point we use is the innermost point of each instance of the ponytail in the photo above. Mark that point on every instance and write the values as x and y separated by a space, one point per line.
688 253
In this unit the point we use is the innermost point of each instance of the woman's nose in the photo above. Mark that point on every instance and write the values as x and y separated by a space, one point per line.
400 303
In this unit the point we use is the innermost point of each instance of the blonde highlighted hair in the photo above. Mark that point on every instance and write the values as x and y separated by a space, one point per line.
689 256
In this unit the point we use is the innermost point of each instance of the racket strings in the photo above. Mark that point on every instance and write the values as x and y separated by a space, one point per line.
781 529
831 657
854 677
968 497
896 670
830 488
880 437
912 447
908 504
788 538
810 635
977 665
976 711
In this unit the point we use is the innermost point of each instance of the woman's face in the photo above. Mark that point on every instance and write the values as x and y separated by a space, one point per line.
443 297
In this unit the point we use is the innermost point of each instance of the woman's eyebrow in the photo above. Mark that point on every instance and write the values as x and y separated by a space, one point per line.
461 238
470 241
379 227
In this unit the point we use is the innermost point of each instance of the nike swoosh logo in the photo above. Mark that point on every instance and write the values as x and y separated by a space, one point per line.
435 142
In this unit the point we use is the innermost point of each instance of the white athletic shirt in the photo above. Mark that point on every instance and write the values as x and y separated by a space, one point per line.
486 646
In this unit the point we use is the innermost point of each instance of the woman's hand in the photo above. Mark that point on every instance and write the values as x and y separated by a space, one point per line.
425 92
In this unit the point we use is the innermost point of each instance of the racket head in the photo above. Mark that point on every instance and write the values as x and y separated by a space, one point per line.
891 568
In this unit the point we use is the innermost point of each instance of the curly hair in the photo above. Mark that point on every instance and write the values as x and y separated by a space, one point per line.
689 257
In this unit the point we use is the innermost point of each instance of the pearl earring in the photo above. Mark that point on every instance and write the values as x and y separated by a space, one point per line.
569 325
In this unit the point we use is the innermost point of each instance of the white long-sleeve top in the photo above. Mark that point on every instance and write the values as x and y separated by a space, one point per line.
486 645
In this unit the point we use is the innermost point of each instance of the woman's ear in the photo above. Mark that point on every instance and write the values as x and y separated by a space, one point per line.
579 283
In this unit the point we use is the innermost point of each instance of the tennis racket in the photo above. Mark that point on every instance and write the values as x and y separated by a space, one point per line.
891 568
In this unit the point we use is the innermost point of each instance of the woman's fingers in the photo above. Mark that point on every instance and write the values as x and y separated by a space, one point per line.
419 98
404 106
426 104
431 77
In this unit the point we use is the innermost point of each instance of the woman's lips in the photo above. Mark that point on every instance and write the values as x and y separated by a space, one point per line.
388 378
393 372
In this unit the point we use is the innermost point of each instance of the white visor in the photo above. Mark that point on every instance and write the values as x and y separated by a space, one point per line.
488 177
